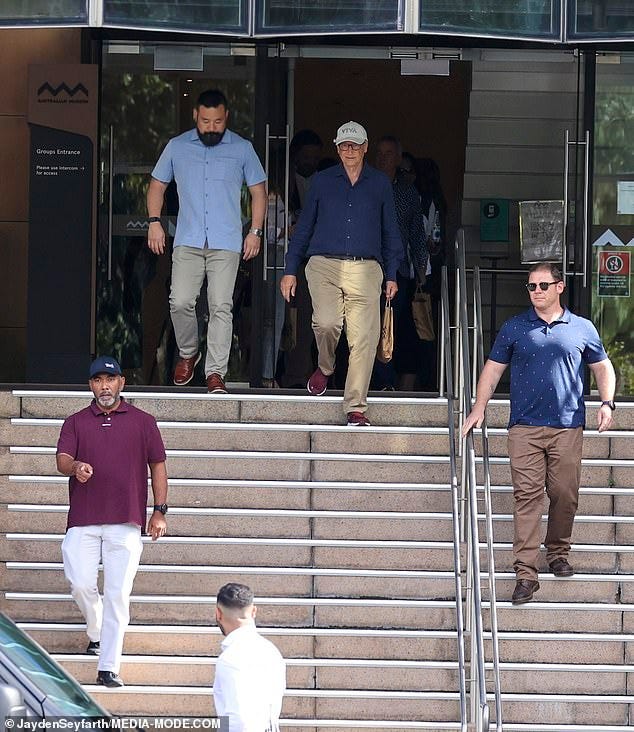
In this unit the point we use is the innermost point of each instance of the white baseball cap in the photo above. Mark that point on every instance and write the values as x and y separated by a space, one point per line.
351 132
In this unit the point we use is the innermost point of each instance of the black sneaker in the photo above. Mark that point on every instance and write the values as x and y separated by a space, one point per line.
93 648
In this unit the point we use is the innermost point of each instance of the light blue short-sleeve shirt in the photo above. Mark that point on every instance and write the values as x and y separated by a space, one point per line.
209 182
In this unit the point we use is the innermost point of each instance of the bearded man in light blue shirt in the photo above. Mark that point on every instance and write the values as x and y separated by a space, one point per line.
209 165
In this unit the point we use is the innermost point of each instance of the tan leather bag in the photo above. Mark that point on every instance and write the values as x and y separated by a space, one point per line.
422 314
386 341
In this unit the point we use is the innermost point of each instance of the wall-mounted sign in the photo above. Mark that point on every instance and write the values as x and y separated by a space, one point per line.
625 197
541 231
62 116
494 219
614 274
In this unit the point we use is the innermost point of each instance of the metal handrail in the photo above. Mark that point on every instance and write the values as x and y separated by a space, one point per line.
455 499
480 713
488 510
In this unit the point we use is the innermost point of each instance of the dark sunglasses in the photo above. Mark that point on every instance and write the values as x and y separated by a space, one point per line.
532 286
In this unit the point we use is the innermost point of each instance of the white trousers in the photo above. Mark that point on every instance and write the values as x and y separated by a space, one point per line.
118 547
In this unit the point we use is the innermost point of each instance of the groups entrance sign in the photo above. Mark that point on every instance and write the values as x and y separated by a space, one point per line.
614 274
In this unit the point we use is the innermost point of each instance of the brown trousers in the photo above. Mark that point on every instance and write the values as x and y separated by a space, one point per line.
541 457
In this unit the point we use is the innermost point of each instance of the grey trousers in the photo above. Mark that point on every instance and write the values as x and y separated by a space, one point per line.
189 267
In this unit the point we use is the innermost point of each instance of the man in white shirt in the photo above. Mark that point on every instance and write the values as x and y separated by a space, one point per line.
250 672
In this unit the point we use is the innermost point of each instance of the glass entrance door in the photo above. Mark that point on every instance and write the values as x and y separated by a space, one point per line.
146 100
612 229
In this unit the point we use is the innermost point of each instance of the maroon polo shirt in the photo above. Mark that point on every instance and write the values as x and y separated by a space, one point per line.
119 446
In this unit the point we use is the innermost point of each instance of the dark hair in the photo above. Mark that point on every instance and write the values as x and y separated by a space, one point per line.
393 141
408 156
303 138
212 98
553 268
234 595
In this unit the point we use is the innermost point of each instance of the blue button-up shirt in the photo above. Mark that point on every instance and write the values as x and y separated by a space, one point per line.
339 218
547 367
209 181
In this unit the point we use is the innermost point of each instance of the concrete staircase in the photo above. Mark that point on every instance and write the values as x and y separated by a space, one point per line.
345 535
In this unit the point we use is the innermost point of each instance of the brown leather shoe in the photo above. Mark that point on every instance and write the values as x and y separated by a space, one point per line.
184 371
215 384
560 567
524 591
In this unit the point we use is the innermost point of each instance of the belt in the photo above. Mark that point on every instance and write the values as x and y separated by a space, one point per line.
349 257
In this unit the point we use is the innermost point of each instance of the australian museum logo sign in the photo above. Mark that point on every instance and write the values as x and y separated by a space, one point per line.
62 94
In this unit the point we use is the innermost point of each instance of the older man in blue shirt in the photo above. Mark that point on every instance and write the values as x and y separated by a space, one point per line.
547 347
209 164
349 231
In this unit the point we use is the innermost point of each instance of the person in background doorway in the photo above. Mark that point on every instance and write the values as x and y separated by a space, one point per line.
274 311
412 268
349 231
106 449
547 347
305 153
209 164
250 678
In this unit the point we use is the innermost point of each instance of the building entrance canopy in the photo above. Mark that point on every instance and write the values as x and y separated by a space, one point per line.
556 21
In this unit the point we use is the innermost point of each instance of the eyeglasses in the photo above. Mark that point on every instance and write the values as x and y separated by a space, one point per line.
532 286
350 146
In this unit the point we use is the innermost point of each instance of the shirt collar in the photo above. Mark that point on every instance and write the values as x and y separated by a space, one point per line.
341 171
564 317
238 633
97 411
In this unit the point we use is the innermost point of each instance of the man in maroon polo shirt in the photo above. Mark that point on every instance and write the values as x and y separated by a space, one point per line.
106 449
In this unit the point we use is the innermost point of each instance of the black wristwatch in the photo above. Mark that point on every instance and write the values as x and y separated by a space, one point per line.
154 220
610 403
162 507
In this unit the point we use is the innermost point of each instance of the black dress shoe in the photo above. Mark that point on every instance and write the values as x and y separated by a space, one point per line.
110 679
524 591
93 648
561 568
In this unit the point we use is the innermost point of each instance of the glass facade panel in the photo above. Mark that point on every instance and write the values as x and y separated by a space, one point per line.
613 216
43 11
329 16
141 110
197 15
515 18
601 18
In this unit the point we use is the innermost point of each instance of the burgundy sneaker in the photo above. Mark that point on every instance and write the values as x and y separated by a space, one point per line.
318 383
184 371
358 419
215 384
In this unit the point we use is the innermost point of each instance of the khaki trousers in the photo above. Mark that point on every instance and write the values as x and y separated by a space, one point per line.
345 292
541 457
189 267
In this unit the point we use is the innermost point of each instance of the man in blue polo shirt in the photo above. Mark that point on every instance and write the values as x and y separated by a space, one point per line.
349 231
547 347
106 449
209 164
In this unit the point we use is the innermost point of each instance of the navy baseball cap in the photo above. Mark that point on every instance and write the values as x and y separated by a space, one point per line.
104 365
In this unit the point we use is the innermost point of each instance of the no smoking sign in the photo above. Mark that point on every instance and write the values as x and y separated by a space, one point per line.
614 274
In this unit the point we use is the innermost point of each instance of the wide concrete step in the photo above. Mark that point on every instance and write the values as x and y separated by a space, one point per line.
319 466
413 525
320 495
428 705
301 673
274 437
195 405
355 674
234 464
281 437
